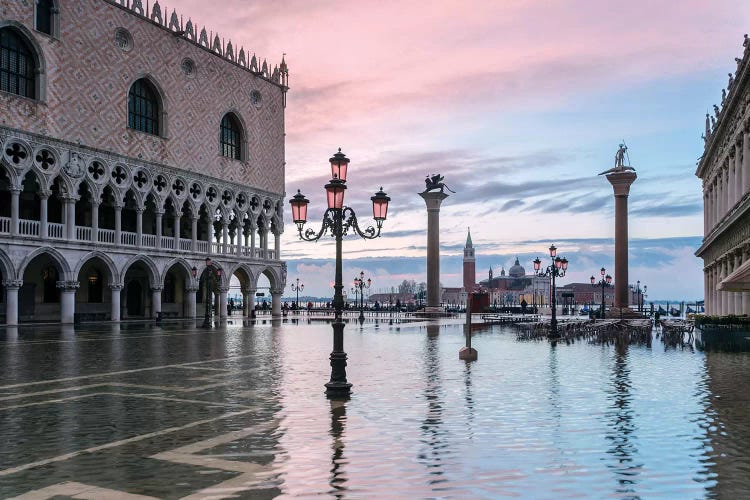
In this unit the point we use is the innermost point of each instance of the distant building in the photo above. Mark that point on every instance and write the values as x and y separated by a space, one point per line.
724 169
133 148
511 289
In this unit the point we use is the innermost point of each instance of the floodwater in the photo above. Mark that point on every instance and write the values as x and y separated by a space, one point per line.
136 411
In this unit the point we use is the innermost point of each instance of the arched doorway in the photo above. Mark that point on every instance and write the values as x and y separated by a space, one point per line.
174 297
39 296
94 296
241 293
139 296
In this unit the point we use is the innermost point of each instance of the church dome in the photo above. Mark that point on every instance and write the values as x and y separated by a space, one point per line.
517 271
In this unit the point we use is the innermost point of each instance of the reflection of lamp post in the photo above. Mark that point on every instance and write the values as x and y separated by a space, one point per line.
338 219
555 270
604 282
296 288
209 285
359 288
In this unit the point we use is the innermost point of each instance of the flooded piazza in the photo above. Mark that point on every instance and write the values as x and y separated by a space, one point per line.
140 411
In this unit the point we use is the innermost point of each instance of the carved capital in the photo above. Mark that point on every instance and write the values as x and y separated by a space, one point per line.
249 290
116 287
67 286
191 288
157 288
13 284
277 291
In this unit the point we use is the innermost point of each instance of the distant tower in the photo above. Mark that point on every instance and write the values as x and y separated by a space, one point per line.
490 274
470 273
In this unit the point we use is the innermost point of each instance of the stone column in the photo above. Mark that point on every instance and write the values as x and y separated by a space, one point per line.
194 234
11 301
719 294
223 302
15 195
190 292
224 238
94 221
621 182
248 299
67 301
240 230
139 226
746 161
70 218
115 290
159 214
433 200
276 303
43 212
177 217
210 232
705 212
252 240
156 301
738 181
277 244
118 225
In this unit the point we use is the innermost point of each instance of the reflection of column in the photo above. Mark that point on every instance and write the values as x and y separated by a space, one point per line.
433 200
11 301
190 291
223 302
115 309
621 182
15 195
156 301
276 303
67 301
44 216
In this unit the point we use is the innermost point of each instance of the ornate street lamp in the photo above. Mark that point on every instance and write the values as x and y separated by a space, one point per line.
555 270
209 286
359 288
338 220
296 288
604 282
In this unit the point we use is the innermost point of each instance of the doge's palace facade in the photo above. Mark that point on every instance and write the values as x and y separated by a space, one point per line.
725 171
142 164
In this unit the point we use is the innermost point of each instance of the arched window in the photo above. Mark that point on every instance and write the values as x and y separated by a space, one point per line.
143 107
45 16
50 294
231 137
16 64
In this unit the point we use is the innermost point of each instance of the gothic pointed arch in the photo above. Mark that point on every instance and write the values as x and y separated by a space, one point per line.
232 137
55 256
147 107
22 64
113 276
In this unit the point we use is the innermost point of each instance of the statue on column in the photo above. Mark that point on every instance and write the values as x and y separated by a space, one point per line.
620 158
435 182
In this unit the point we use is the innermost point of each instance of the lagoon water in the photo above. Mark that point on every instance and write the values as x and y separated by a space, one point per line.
239 411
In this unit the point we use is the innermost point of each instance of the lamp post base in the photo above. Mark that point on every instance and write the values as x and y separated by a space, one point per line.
468 354
338 387
338 390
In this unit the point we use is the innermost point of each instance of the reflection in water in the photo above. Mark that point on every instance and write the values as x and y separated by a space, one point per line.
338 426
621 426
433 433
469 398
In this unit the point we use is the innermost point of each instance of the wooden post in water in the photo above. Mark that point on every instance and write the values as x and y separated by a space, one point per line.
468 353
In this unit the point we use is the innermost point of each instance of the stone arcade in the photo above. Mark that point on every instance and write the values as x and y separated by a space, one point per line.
132 149
725 171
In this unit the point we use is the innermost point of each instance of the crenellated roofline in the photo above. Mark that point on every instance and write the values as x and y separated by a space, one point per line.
208 41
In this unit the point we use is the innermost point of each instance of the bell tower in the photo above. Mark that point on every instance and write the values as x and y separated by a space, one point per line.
470 273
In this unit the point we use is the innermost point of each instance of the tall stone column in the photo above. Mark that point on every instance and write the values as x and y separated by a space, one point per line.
70 218
159 215
43 212
156 301
118 225
223 302
194 233
433 200
139 226
115 301
15 196
176 222
746 161
190 292
738 180
248 300
224 237
621 182
67 301
277 244
276 303
11 301
94 221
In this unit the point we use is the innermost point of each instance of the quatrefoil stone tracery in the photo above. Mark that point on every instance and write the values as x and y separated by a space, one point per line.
140 179
195 191
160 183
226 197
45 159
16 152
96 170
119 175
178 187
211 194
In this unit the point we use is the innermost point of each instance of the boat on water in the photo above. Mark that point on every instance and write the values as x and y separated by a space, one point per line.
662 311
674 312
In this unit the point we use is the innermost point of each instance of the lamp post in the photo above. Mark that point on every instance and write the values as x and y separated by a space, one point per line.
555 270
359 288
604 282
296 288
209 286
338 220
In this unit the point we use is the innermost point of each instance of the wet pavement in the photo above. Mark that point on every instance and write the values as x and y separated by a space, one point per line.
138 411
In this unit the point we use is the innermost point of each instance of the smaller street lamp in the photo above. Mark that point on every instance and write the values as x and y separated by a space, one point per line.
604 282
296 288
359 288
555 270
